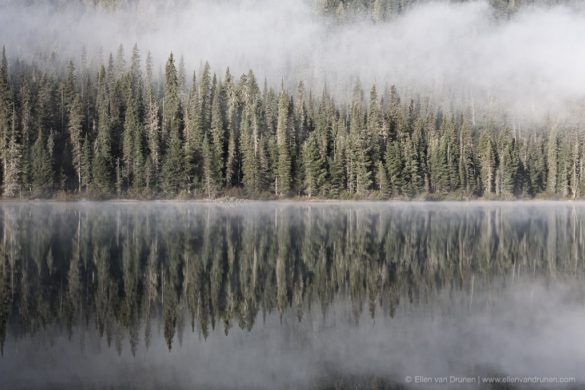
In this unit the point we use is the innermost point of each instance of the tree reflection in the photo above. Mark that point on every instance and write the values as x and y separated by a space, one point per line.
120 269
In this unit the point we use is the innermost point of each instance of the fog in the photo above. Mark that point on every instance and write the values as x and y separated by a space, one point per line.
531 63
517 328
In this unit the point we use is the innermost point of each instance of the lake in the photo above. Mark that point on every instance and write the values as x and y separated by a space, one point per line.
165 295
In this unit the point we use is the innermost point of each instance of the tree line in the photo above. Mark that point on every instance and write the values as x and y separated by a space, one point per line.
382 10
121 131
378 10
124 271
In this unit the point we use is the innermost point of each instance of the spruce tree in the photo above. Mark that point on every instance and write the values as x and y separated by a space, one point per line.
42 166
383 181
76 137
194 135
467 165
173 167
12 174
488 161
395 168
218 131
6 107
102 163
232 164
283 171
552 162
211 171
315 168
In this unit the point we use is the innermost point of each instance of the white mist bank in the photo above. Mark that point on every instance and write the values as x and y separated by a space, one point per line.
532 64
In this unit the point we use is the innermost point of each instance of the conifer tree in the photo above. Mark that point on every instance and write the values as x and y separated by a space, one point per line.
211 171
42 166
552 162
6 107
283 171
232 166
76 137
173 167
218 131
315 168
12 174
86 166
467 169
383 182
395 167
27 119
488 161
363 166
102 162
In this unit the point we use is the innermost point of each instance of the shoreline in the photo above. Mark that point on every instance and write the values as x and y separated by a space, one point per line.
219 201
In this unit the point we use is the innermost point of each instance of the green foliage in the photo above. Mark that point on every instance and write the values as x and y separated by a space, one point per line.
102 163
124 134
42 167
172 175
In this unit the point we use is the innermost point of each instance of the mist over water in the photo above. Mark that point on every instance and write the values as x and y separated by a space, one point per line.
289 295
523 329
527 67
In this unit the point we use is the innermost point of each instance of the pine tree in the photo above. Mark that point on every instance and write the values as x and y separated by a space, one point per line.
194 134
452 143
211 171
511 169
536 165
12 175
552 162
232 166
27 119
315 168
6 107
152 129
383 181
266 163
363 166
250 132
102 164
173 167
86 166
467 165
249 158
283 178
206 91
488 161
394 115
76 137
395 167
337 173
375 127
218 131
42 166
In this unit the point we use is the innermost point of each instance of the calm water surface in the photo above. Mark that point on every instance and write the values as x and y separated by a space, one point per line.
291 295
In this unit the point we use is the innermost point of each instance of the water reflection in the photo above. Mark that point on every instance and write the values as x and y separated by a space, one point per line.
137 276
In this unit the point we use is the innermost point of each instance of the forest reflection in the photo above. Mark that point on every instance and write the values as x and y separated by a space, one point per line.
117 268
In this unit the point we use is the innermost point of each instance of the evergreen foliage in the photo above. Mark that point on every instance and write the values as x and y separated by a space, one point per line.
117 132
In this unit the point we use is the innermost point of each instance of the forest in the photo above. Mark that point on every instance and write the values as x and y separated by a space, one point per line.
121 131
